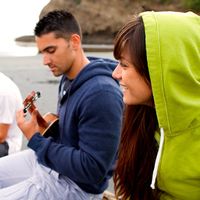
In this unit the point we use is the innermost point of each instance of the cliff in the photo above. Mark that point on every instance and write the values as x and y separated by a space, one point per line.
100 20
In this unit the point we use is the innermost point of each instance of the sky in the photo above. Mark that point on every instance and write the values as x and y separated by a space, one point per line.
17 18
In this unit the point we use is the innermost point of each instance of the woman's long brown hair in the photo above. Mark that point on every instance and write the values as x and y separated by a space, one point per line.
138 147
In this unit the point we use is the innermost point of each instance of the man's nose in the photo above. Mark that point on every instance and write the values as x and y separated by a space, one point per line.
46 60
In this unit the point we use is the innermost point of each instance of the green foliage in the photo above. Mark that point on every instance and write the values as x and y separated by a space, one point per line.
193 4
77 1
165 1
162 1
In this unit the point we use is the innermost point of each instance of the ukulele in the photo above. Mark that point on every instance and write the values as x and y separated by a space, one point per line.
48 124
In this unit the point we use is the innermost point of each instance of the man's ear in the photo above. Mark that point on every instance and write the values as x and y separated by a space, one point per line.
75 41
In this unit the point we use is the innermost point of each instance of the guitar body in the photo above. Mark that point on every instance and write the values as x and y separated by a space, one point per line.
49 123
53 126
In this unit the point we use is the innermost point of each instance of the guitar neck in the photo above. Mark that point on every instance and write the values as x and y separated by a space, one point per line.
42 123
48 124
30 107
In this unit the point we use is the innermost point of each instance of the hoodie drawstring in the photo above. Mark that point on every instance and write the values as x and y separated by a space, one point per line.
155 170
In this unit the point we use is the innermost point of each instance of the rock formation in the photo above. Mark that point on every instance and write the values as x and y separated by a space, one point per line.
100 20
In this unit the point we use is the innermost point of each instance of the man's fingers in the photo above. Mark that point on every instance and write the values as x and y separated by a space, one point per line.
34 115
20 116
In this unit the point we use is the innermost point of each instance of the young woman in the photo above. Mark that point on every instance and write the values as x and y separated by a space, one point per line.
159 73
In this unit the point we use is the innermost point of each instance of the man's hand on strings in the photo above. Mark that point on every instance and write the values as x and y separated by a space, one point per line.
28 127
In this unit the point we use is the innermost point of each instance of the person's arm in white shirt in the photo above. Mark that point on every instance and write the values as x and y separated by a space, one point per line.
3 131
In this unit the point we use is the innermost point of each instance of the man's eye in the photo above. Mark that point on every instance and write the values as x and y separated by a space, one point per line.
51 50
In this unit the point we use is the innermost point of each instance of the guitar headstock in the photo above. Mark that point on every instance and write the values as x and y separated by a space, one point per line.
29 101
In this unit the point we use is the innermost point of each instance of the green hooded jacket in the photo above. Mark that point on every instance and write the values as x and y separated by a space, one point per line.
173 54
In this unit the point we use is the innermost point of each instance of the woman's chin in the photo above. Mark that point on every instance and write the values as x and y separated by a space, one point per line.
126 101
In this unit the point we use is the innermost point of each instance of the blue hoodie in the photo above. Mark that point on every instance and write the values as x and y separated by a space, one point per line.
90 116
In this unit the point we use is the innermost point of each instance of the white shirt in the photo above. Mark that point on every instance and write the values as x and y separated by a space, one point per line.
10 102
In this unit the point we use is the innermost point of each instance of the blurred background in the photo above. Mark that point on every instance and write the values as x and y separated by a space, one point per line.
100 20
17 18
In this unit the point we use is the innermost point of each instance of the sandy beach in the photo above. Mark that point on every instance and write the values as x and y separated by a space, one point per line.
30 74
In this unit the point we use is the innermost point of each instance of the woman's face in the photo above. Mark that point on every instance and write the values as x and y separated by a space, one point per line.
135 90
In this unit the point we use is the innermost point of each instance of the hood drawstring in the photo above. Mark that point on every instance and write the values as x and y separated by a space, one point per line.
155 170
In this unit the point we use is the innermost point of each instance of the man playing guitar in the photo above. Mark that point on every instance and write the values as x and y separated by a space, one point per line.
78 163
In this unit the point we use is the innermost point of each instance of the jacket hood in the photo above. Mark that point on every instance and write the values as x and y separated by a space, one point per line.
96 67
173 56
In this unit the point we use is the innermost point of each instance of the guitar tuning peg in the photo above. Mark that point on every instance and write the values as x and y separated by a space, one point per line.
38 94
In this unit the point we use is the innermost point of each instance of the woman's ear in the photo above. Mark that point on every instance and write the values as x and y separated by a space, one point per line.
75 41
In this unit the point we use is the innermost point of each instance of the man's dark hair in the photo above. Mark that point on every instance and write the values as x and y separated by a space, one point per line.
61 22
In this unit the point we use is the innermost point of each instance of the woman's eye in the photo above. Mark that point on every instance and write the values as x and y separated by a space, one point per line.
123 65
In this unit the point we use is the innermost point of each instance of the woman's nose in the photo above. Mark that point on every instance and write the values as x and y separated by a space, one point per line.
117 72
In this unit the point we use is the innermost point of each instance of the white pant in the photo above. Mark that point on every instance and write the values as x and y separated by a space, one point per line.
23 178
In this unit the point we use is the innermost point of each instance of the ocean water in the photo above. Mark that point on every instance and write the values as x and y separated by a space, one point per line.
18 18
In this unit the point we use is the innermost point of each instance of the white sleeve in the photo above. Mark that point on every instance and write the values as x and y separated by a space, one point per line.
7 109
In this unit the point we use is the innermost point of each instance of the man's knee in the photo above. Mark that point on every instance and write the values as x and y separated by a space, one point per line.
4 149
